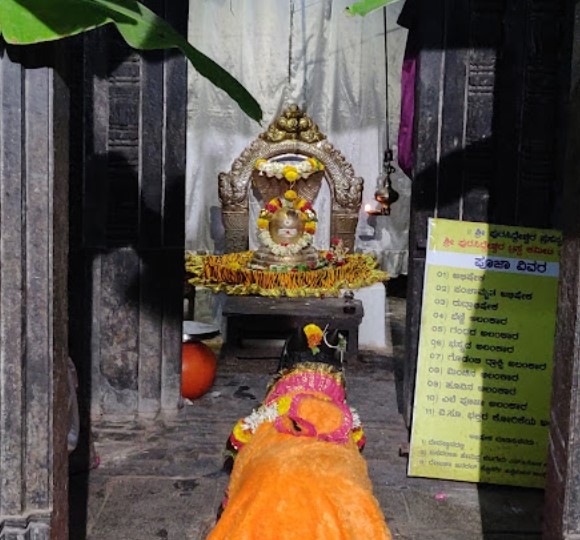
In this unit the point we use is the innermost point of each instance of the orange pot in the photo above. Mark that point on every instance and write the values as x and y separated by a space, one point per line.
198 367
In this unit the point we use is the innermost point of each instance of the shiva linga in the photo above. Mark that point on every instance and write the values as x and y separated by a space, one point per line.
287 242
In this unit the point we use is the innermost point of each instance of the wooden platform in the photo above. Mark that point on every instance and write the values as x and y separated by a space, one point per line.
261 317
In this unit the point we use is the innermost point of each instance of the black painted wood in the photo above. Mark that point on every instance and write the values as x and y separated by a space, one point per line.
487 125
256 316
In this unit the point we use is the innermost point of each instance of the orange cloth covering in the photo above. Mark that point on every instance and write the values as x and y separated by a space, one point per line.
286 487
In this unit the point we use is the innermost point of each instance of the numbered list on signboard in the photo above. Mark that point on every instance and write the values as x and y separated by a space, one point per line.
482 395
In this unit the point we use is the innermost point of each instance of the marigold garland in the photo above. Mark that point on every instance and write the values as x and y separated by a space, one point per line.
230 273
304 210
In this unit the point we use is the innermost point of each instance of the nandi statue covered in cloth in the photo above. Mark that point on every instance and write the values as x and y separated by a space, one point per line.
298 473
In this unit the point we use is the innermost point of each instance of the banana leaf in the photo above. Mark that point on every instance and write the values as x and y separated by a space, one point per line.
366 6
23 22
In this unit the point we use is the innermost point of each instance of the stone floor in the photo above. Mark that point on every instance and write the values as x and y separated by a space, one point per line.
163 479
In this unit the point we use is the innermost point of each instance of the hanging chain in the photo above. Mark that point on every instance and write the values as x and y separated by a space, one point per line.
290 40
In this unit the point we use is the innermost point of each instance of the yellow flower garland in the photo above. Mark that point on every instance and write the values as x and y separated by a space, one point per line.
230 273
290 172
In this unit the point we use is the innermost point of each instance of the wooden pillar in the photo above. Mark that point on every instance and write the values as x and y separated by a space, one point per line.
562 512
33 296
128 237
487 125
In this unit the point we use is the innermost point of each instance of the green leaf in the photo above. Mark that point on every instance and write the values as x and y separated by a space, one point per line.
366 6
142 29
25 22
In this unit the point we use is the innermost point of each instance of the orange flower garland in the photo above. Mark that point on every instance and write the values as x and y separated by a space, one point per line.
230 273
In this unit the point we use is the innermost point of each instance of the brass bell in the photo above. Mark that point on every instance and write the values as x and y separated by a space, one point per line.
385 194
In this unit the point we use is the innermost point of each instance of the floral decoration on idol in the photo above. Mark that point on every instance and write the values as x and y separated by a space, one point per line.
336 255
303 382
313 335
306 213
292 173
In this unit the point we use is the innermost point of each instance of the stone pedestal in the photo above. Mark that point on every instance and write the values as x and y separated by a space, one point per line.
33 295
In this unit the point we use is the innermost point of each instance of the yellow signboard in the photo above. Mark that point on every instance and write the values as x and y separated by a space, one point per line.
482 397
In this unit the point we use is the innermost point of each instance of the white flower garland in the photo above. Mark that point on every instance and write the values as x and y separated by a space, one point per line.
284 251
265 413
356 423
275 169
269 413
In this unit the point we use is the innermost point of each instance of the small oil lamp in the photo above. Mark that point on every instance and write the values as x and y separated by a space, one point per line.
385 194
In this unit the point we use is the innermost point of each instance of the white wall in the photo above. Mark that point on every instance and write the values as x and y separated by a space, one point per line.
313 54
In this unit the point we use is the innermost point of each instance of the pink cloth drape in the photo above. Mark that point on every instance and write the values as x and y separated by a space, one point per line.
408 19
